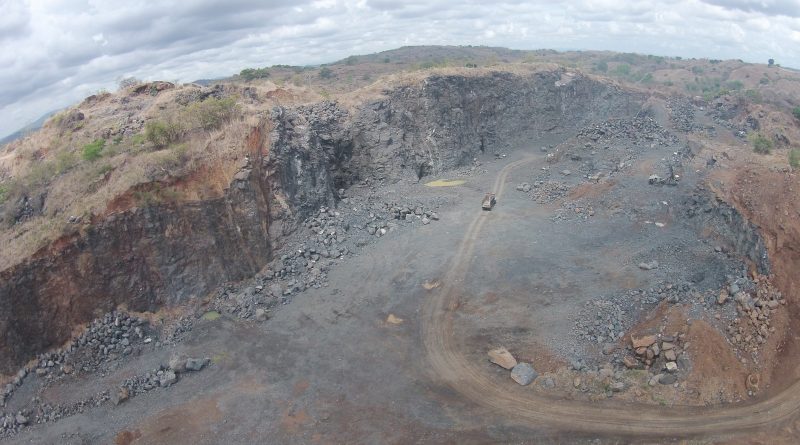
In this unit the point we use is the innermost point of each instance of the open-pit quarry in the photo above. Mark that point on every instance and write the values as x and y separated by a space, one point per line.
636 280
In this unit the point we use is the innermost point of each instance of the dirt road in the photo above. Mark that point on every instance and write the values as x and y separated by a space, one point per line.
470 378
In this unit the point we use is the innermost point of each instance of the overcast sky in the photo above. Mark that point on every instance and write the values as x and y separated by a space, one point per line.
55 52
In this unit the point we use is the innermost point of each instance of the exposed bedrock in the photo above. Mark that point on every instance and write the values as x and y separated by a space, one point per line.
299 158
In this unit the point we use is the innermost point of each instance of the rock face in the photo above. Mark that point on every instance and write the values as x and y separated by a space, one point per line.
299 159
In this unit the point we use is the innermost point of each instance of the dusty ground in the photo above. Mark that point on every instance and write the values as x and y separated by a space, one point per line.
394 349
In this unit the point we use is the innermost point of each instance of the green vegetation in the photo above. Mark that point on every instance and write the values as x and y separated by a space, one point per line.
138 139
5 192
211 113
601 66
734 85
254 73
92 151
385 60
761 144
350 61
65 160
794 157
326 73
161 134
103 169
796 113
623 70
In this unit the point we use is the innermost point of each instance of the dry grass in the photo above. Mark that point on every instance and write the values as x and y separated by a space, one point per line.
200 165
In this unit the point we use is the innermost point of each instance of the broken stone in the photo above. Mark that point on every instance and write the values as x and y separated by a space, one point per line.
672 367
120 396
723 296
649 266
667 379
261 314
503 358
196 364
667 345
524 374
655 349
654 379
630 362
643 342
168 378
618 387
21 420
670 355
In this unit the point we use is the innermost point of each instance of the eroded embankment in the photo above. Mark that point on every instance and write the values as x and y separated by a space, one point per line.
297 160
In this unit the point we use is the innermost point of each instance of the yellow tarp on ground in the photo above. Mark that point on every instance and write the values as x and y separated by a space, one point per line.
445 183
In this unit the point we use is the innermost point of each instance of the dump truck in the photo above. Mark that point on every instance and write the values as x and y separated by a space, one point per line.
488 201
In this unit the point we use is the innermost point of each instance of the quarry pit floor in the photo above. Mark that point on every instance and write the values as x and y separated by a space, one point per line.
394 349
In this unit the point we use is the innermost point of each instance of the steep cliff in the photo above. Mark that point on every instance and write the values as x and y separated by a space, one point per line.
299 158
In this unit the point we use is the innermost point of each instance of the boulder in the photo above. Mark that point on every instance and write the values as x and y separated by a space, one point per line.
523 374
667 379
630 362
196 364
168 378
503 358
643 342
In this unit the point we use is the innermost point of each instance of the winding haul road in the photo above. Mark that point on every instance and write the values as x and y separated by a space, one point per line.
527 408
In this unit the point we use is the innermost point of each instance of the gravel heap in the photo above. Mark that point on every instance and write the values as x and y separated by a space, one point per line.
681 114
640 130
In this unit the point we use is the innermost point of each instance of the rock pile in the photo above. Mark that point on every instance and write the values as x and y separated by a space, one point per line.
640 130
522 373
105 340
658 353
681 114
752 326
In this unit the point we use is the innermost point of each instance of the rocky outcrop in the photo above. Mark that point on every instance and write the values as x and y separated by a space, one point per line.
299 159
424 129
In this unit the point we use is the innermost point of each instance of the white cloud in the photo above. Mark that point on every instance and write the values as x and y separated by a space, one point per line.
53 52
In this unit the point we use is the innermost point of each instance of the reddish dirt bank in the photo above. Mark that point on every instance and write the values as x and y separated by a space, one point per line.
769 199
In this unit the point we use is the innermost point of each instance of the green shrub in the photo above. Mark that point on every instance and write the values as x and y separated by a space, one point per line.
794 157
92 151
601 66
734 85
796 113
623 70
5 192
350 61
254 73
761 144
212 113
325 73
161 134
138 139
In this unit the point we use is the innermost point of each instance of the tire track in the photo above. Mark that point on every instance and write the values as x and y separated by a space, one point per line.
526 407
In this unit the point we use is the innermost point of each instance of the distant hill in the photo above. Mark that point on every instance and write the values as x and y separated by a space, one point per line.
30 128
